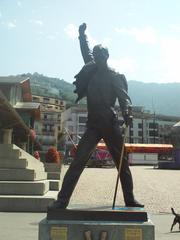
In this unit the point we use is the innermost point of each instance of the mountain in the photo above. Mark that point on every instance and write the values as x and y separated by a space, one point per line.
161 98
51 87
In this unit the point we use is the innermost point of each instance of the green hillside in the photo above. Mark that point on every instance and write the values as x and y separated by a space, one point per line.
161 98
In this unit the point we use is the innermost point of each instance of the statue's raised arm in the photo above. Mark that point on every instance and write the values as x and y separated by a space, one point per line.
84 45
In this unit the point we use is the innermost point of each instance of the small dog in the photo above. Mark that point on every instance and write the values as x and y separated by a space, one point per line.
176 219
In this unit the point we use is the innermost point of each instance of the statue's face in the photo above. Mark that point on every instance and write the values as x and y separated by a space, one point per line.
100 55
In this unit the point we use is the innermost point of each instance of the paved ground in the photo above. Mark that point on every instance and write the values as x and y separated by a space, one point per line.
159 190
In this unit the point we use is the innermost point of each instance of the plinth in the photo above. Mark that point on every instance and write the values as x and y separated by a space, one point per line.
95 224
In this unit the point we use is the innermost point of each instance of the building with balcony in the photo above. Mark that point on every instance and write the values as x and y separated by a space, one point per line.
146 127
150 127
18 113
49 130
74 123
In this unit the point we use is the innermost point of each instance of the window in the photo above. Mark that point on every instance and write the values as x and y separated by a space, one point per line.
139 125
15 95
153 125
36 127
46 99
140 133
131 133
82 128
56 101
82 119
153 133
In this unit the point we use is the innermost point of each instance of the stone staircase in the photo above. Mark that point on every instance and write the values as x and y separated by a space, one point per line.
53 174
23 181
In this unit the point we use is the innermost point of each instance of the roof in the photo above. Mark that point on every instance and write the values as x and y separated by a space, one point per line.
27 105
30 106
12 79
21 80
177 124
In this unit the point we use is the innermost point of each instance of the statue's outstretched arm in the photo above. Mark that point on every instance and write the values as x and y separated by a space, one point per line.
84 45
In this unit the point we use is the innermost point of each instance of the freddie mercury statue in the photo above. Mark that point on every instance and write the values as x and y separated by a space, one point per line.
101 85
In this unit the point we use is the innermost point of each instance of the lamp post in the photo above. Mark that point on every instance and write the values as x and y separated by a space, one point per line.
142 125
154 128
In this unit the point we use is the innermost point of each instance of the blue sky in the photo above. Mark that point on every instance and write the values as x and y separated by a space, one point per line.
143 37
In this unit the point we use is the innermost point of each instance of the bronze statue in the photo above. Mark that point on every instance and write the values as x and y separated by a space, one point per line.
101 85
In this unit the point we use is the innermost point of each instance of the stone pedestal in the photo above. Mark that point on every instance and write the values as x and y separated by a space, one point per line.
101 227
7 136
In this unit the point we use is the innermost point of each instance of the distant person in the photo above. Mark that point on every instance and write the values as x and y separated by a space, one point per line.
36 155
101 85
52 156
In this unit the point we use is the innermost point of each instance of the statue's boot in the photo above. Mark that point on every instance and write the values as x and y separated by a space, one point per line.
134 203
130 200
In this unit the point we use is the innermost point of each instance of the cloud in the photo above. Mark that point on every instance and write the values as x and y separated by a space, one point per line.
175 27
145 35
125 65
170 58
92 41
19 3
51 37
38 22
106 41
11 24
71 30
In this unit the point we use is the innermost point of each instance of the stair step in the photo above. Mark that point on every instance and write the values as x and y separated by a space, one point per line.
21 163
24 187
54 185
9 203
52 167
28 156
53 175
11 153
21 175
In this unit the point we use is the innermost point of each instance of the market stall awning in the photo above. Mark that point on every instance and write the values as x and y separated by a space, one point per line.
148 148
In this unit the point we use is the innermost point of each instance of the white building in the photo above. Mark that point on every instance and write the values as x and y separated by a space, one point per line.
146 127
74 123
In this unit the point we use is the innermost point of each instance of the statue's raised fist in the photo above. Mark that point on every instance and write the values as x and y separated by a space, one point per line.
82 28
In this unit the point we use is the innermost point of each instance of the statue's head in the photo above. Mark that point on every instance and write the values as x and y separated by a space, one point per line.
100 54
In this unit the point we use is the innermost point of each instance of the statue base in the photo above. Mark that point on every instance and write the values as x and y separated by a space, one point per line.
104 224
